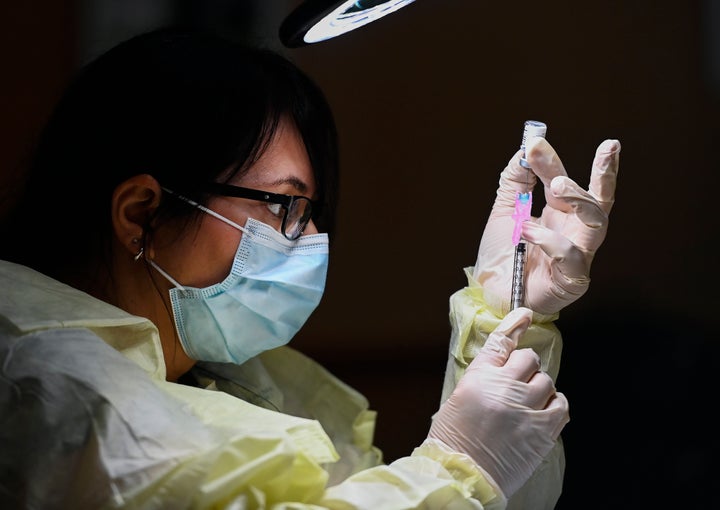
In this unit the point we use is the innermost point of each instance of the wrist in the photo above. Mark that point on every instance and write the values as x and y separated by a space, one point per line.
472 320
472 477
498 306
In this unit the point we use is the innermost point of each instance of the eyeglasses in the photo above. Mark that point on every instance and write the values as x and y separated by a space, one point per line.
297 210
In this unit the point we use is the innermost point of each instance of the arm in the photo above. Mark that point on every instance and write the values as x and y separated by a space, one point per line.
83 426
563 242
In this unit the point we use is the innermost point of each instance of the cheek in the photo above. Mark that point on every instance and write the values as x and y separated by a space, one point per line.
208 256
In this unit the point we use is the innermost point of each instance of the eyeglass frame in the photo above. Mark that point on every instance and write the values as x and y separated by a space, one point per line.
283 200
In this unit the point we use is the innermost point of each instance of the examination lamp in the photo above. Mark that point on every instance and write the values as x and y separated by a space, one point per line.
318 20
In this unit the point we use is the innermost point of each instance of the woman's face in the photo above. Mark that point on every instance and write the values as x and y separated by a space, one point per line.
204 256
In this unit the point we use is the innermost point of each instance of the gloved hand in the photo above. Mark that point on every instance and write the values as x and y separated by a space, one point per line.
504 413
562 241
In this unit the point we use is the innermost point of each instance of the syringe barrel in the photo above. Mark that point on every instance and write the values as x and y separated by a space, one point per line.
518 283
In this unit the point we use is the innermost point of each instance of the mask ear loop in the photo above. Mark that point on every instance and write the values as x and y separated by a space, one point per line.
140 255
210 212
202 208
162 272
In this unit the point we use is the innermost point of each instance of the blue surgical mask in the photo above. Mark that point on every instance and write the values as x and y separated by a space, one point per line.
272 289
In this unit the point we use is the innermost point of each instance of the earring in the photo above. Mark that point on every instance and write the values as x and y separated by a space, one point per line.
140 253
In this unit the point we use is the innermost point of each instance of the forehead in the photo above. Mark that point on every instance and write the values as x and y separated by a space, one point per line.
284 161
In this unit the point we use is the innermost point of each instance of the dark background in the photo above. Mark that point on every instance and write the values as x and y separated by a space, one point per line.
430 104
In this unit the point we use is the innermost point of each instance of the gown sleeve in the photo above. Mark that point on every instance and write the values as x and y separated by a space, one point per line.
472 320
82 426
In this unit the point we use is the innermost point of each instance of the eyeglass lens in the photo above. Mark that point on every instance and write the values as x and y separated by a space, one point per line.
298 216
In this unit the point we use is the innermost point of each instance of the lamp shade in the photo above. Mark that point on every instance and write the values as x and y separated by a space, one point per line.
318 20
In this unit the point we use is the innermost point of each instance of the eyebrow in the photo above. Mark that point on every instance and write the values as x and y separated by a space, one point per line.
293 181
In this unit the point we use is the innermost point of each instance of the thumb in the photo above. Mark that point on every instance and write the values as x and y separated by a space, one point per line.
504 339
514 179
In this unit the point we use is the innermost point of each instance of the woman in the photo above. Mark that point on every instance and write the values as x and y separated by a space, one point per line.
172 237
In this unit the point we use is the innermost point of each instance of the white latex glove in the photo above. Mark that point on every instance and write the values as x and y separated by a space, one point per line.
504 413
562 241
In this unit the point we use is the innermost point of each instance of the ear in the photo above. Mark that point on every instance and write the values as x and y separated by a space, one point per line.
133 203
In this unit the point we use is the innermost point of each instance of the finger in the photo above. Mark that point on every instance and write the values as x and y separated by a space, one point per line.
522 365
569 265
569 197
571 228
558 413
568 257
540 390
543 159
603 177
504 339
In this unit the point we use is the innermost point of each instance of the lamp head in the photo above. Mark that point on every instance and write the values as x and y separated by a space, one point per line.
318 20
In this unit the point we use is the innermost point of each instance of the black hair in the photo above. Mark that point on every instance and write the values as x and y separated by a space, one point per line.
181 105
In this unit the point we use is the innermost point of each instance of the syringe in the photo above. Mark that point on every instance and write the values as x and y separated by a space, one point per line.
523 207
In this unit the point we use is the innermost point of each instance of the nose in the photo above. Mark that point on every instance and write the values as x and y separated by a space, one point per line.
310 229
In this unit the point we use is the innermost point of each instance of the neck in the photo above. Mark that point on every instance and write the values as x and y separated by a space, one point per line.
135 287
